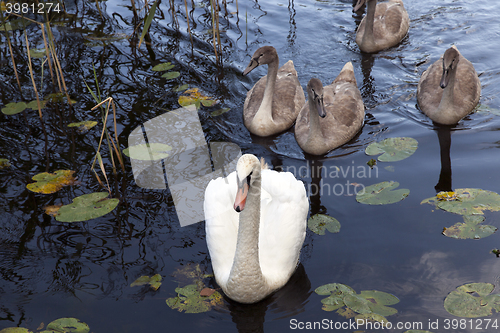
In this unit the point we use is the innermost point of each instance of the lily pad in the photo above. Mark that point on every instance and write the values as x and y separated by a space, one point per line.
15 330
189 300
488 109
148 151
219 112
194 96
181 87
83 125
163 67
153 281
52 210
67 325
14 24
319 223
14 108
47 183
393 149
33 105
472 300
382 194
87 207
37 53
171 75
4 163
370 317
467 201
470 229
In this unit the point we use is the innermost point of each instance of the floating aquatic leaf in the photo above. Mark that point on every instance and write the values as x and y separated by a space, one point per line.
189 300
219 112
148 151
37 53
33 105
371 163
370 317
357 303
470 229
319 223
468 201
334 289
181 88
171 75
163 67
57 98
67 325
14 25
377 301
4 163
190 273
83 125
13 108
472 300
195 97
52 210
15 330
153 281
486 108
382 194
393 149
87 207
47 183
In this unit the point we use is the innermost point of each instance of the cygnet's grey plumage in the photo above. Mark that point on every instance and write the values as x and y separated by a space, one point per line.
449 89
272 106
333 115
384 25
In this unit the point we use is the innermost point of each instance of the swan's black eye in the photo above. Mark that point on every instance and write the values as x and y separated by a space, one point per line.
249 177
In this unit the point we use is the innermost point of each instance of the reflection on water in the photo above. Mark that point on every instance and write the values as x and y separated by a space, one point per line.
50 269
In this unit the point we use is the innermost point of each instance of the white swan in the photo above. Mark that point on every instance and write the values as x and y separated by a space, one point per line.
384 25
274 102
449 89
255 228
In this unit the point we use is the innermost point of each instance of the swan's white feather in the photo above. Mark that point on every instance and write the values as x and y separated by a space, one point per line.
284 208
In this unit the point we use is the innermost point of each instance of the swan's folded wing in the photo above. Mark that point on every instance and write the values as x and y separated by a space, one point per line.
221 224
283 225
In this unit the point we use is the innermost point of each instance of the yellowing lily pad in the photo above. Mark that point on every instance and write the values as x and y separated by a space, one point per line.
393 149
472 300
153 281
193 96
467 201
163 67
382 194
189 300
319 223
47 183
67 325
171 75
14 108
52 210
83 125
148 152
470 229
87 207
15 330
4 163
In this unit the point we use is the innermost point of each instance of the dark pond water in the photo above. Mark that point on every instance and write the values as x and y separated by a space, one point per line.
50 269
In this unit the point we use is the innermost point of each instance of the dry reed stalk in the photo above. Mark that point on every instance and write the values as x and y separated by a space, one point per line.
187 20
33 78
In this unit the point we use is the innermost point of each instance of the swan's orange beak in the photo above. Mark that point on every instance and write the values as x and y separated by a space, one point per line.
241 197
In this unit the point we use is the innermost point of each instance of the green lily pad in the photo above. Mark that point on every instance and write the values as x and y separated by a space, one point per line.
87 207
470 229
392 149
148 151
37 53
334 289
472 300
4 163
13 108
377 301
57 98
319 223
83 125
467 201
47 183
15 330
370 317
189 300
357 303
181 87
163 67
14 25
171 75
33 105
67 325
153 281
382 194
194 96
219 112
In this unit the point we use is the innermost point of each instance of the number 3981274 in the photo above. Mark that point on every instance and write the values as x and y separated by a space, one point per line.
25 8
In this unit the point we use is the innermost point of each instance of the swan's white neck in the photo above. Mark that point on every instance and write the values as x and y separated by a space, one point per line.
246 284
368 37
265 113
315 136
